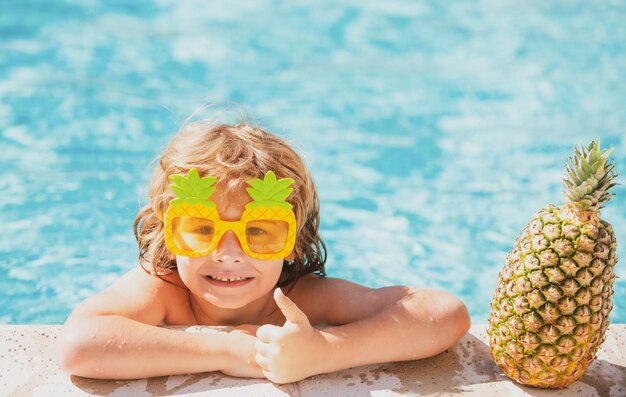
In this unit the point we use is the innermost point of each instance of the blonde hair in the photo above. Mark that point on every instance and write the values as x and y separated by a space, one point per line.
233 154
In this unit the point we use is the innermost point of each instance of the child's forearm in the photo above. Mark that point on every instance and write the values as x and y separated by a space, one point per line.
115 347
418 326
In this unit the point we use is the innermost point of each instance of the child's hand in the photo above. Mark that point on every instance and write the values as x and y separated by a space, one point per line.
291 352
241 361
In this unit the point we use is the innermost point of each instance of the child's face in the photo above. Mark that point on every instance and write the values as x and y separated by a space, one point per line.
228 261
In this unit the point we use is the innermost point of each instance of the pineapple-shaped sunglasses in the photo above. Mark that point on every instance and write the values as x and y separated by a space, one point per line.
266 230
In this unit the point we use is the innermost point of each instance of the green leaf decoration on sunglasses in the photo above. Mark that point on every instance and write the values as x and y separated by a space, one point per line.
269 192
192 189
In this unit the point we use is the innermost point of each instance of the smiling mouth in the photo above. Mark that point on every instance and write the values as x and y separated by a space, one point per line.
228 279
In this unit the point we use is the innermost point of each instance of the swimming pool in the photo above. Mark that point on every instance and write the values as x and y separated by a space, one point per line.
433 131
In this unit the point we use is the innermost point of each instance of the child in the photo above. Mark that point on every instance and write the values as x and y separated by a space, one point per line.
230 237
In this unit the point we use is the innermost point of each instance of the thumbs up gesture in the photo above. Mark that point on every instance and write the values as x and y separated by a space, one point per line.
291 352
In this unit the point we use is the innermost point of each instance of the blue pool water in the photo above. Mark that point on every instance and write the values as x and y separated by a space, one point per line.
434 131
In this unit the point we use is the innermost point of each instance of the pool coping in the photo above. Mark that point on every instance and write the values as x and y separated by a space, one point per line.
27 368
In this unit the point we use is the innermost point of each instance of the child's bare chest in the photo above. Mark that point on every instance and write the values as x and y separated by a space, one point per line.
178 311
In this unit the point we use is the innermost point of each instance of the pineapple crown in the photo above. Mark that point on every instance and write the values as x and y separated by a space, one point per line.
269 192
589 177
192 189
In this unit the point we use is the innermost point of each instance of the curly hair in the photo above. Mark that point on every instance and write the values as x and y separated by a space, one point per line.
233 154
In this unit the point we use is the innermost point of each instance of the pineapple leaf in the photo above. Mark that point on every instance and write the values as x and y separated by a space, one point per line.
284 183
281 195
253 204
206 192
188 187
269 191
180 192
176 201
255 183
588 177
207 181
192 189
193 176
177 179
256 195
572 175
281 185
285 205
268 204
270 178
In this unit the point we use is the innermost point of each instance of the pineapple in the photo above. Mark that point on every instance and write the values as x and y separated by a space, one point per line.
269 195
551 307
192 200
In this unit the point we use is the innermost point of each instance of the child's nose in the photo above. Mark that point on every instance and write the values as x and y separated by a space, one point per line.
228 249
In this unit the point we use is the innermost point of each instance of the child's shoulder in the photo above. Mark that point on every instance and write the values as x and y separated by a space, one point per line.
330 300
314 286
175 295
168 290
140 278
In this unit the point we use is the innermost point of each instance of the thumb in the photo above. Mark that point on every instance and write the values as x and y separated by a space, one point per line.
292 312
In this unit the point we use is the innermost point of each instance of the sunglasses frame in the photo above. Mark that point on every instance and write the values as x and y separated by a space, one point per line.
239 228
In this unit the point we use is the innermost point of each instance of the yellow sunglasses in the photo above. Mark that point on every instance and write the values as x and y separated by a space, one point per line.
266 230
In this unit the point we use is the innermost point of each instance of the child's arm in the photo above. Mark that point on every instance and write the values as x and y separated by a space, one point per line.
368 326
113 335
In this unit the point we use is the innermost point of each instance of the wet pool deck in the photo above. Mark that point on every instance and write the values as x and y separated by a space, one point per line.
27 369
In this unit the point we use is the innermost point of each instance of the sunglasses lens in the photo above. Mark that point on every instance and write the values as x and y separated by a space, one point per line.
193 234
267 236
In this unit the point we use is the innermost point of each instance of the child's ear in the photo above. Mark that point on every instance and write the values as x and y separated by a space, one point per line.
291 257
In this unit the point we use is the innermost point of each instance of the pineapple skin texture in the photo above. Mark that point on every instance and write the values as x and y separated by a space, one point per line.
185 209
550 311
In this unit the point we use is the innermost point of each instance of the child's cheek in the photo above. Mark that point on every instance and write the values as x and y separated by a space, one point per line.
273 270
185 269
